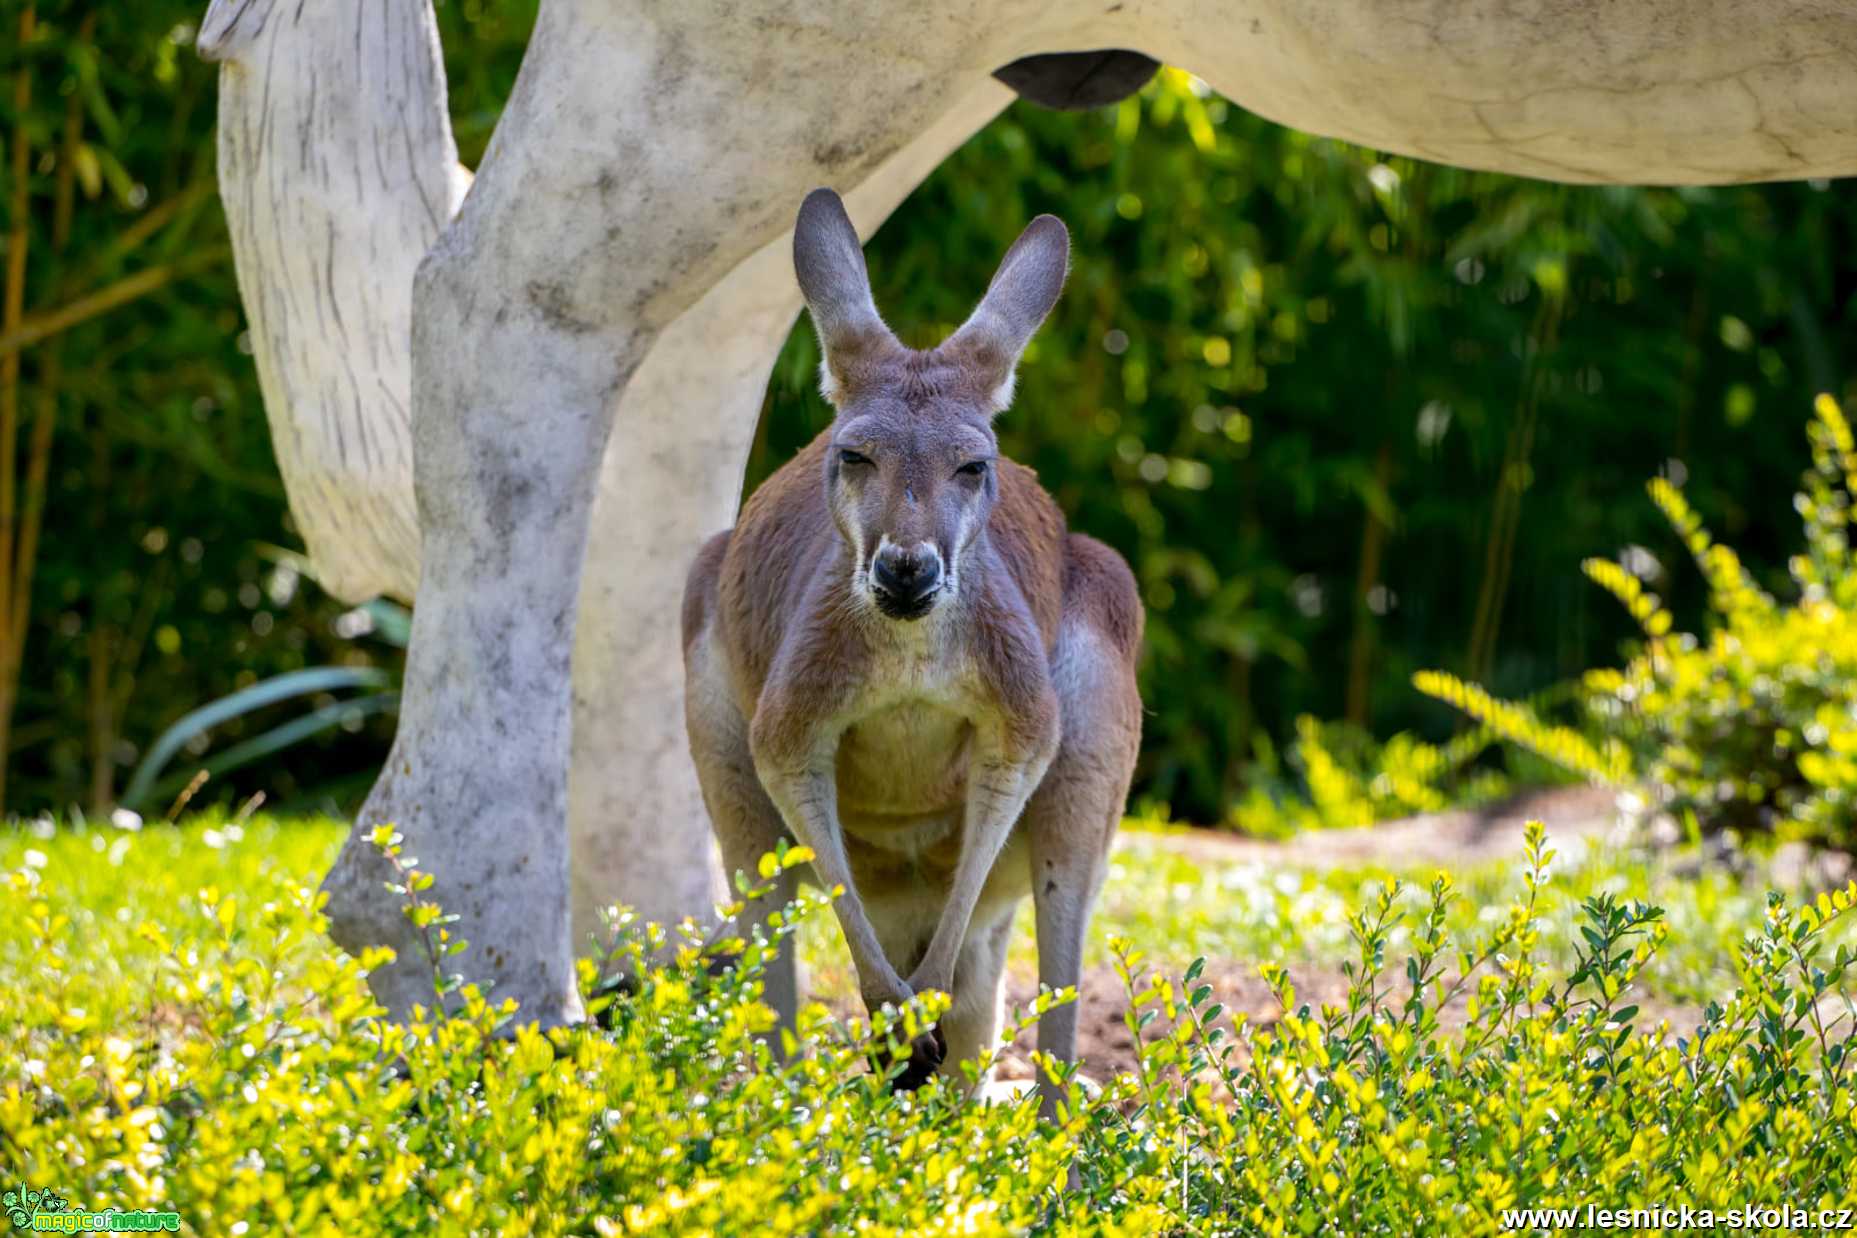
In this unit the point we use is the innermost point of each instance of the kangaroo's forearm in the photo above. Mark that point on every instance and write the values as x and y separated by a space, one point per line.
808 801
996 796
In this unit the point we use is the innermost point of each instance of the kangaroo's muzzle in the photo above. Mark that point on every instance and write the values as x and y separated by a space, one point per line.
905 582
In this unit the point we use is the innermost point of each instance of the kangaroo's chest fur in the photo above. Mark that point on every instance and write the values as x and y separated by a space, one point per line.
902 761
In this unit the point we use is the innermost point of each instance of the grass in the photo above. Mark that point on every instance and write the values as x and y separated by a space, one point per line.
107 888
176 1032
1176 907
1171 906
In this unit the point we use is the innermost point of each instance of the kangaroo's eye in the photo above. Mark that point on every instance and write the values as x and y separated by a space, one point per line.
973 468
848 457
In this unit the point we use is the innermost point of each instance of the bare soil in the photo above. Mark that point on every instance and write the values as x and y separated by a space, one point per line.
1457 838
1450 839
1106 1047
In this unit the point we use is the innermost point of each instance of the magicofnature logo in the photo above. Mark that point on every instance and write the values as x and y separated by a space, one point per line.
48 1212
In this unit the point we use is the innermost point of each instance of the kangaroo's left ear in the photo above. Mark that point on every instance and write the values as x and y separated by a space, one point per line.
829 264
1024 289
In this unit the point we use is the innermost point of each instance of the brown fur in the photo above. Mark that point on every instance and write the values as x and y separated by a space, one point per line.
946 741
786 522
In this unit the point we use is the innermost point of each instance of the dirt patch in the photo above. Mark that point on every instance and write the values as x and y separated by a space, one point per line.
1106 1047
1449 839
1104 1044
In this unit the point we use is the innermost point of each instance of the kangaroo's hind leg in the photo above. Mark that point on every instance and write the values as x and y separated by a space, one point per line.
1071 820
972 1023
746 823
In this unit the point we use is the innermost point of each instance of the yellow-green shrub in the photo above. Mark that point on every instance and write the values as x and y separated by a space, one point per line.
205 1050
1753 726
1367 1118
1350 779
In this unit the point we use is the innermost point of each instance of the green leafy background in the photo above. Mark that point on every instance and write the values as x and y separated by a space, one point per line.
1348 415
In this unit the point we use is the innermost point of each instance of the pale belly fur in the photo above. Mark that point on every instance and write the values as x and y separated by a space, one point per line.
902 778
902 800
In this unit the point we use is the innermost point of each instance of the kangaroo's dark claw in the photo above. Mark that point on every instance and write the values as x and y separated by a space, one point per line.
926 1054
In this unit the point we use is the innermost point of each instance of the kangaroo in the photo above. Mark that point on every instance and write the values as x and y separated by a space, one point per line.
901 659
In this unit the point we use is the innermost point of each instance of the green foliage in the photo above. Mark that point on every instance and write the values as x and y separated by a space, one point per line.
177 1033
1351 415
1314 394
1172 901
306 682
1367 1117
1753 727
1565 746
1347 779
159 585
385 620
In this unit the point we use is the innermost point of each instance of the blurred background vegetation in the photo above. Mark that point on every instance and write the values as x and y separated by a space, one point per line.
1349 416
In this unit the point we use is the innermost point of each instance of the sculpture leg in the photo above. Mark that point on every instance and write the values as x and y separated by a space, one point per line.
326 244
617 190
477 778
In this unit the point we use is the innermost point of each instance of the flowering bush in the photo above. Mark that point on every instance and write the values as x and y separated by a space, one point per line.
1348 779
1753 727
169 1045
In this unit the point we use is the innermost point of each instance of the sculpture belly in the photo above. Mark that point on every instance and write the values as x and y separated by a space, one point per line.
902 776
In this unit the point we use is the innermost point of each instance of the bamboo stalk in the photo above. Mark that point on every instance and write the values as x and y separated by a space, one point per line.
115 656
12 310
99 707
1481 637
151 597
40 327
1241 718
1506 560
32 513
1373 544
153 220
51 374
64 190
1506 511
1693 326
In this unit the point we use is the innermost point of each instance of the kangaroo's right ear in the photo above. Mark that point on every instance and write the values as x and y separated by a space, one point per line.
830 265
230 27
1024 289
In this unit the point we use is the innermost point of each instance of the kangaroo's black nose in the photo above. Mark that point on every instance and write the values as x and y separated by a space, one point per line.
905 581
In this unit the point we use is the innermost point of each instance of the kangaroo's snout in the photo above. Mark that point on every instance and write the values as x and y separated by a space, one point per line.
905 581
